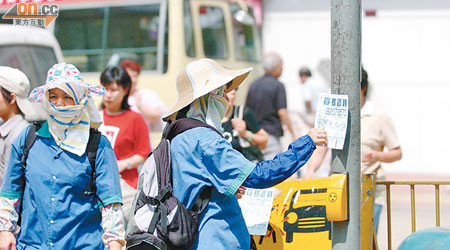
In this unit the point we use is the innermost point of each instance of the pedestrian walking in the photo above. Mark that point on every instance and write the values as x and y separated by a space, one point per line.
377 133
311 90
14 106
202 158
60 202
267 98
125 129
144 101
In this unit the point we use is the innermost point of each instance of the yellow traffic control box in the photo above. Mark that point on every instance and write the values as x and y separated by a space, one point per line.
302 212
368 234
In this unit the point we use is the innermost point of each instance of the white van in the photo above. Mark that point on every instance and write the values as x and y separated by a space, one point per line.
30 49
33 51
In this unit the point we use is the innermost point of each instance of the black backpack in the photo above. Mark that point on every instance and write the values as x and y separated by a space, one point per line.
91 151
158 219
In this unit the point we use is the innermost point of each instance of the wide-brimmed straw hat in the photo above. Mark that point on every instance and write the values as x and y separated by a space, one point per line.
202 76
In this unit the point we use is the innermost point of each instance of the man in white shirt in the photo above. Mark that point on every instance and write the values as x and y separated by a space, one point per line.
311 89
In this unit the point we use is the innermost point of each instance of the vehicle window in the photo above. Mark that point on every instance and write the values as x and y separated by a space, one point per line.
245 35
213 32
90 37
80 29
34 61
136 27
188 30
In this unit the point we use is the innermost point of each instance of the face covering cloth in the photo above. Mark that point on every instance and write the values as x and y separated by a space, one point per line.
69 125
210 108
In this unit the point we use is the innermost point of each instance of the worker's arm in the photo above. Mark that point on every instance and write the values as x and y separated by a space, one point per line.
259 138
315 161
373 156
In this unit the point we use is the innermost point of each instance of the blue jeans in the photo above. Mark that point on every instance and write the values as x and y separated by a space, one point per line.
376 215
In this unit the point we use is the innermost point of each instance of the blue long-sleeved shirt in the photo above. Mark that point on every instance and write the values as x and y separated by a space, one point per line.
55 212
202 158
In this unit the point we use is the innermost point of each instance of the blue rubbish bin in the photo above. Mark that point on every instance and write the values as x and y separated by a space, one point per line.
437 238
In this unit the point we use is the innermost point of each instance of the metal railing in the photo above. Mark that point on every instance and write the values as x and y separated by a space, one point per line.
412 185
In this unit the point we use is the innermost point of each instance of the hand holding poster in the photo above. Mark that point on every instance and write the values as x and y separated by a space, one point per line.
332 113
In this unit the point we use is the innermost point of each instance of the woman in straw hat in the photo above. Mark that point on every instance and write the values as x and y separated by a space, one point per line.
50 194
202 158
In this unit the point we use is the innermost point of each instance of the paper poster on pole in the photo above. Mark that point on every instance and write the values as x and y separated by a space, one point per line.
256 206
332 113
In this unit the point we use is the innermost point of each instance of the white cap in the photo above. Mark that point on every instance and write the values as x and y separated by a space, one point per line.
15 81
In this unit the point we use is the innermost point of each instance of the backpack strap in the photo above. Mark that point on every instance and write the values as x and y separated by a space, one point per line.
202 200
91 151
179 126
29 141
31 138
92 146
161 213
